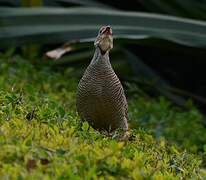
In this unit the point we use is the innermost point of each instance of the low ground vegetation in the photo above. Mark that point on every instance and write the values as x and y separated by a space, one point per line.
41 136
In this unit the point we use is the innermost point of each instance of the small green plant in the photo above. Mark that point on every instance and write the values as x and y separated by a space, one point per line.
161 118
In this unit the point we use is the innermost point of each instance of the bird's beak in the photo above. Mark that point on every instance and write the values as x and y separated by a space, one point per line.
107 30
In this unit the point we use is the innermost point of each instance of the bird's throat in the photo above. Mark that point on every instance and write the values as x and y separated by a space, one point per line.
99 56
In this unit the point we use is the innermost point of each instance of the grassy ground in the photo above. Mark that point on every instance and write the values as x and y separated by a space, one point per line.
41 136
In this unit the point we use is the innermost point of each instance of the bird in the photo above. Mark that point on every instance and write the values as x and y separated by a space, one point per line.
100 97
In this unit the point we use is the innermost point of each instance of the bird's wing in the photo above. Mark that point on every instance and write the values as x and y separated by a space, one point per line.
126 112
126 108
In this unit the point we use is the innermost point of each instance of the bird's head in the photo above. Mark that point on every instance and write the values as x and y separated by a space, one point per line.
104 39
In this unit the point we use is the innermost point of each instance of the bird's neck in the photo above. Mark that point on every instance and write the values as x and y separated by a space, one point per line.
100 57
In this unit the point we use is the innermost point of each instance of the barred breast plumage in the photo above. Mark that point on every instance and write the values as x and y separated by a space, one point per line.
100 96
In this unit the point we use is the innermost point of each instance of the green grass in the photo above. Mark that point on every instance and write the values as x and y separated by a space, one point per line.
41 136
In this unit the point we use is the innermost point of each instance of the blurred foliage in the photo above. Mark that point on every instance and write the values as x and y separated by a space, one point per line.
41 136
44 25
31 3
163 119
187 8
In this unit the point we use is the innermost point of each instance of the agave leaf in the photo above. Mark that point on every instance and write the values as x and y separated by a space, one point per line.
20 26
186 8
145 73
152 42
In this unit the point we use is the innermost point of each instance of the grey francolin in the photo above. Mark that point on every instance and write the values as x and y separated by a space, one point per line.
100 96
